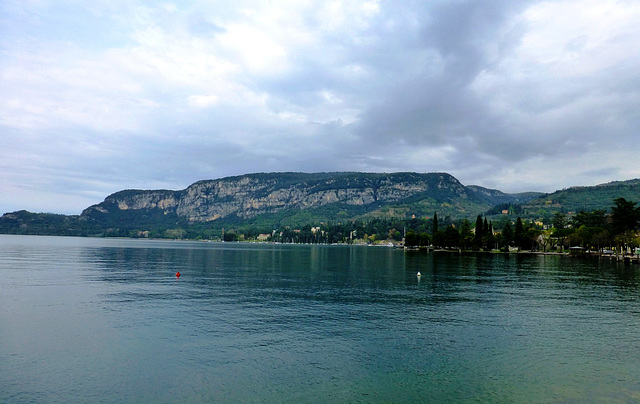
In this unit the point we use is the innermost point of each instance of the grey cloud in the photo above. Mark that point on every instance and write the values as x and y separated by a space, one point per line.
547 118
438 107
468 37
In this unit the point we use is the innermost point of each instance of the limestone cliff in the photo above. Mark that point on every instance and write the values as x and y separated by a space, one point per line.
248 196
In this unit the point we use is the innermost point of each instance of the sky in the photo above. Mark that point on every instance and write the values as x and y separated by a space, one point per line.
104 95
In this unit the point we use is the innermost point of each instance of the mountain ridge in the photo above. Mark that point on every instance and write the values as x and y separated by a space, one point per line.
251 195
294 199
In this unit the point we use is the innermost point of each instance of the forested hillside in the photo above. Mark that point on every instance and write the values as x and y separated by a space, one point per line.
571 201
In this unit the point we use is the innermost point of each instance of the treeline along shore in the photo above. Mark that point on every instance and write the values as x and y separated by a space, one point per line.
596 231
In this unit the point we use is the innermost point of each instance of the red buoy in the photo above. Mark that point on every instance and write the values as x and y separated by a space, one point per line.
178 274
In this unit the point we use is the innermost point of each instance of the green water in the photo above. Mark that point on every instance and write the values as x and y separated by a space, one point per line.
107 321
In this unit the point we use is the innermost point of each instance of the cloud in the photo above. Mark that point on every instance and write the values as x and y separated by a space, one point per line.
124 94
507 91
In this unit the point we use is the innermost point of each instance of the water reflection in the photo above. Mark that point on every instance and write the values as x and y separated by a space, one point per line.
277 323
340 273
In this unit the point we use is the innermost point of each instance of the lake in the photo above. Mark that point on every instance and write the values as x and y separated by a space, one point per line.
87 320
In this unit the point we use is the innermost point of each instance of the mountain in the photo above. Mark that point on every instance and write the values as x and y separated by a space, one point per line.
269 200
276 200
299 197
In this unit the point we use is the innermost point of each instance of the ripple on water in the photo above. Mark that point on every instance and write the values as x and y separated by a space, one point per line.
307 324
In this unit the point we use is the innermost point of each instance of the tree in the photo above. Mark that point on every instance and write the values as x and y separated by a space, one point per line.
477 239
394 234
601 238
625 216
435 223
531 235
559 221
438 239
411 239
544 238
519 234
229 236
489 238
591 228
507 234
425 240
597 219
466 235
560 236
451 237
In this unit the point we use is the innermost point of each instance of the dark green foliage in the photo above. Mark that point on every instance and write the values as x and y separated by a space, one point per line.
597 218
230 236
590 229
511 208
508 236
413 239
625 216
466 235
479 233
560 220
489 239
435 223
451 238
438 239
23 222
585 199
519 234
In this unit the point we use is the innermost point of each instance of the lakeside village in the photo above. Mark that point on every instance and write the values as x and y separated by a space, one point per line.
615 233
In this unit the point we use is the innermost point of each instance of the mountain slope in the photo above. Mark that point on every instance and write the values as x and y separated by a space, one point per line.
588 198
273 200
328 196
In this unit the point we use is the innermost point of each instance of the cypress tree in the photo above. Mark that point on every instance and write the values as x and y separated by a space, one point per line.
435 223
519 233
477 239
507 234
489 238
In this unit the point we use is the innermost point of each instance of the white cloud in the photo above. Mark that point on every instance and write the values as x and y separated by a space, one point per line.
259 53
203 101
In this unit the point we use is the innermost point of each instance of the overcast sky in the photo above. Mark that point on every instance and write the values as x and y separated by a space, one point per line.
104 95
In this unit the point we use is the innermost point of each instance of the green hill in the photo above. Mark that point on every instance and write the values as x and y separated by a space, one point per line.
575 199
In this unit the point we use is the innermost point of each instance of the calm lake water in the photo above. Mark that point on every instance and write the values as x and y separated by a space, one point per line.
106 321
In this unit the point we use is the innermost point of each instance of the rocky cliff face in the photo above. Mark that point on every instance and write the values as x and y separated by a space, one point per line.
251 195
